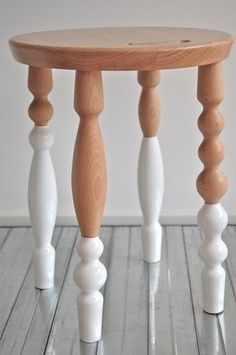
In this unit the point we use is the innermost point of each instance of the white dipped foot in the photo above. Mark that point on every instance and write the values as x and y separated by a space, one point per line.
212 220
90 275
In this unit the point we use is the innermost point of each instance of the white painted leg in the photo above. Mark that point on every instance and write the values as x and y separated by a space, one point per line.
150 187
150 167
211 185
212 220
42 198
90 275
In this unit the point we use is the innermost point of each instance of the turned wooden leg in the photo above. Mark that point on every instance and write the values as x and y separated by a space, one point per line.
42 193
89 190
211 185
150 167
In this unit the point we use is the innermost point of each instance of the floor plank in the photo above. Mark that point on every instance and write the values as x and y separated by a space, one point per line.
135 329
185 341
227 319
4 232
207 328
16 260
229 237
41 323
116 292
18 324
10 249
149 309
160 339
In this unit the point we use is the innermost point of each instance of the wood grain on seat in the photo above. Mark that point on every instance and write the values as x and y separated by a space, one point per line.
124 48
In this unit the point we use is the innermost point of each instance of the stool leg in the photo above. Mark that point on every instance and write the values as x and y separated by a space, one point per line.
211 185
150 167
89 190
42 192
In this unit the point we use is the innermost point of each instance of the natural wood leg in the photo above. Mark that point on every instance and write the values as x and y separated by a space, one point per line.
89 189
150 167
211 185
42 193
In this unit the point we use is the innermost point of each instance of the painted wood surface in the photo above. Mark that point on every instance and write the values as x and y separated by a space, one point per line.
124 48
63 338
212 219
42 200
150 166
90 275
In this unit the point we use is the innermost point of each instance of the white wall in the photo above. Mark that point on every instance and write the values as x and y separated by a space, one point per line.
179 135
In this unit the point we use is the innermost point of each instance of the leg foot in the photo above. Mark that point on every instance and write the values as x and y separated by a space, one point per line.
90 275
44 264
212 220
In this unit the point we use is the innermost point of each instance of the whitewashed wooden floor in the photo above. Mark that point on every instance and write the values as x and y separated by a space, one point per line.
149 309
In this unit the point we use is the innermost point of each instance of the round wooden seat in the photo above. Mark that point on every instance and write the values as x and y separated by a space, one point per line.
127 48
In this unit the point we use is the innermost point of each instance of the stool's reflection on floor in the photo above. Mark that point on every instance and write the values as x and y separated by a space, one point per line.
210 336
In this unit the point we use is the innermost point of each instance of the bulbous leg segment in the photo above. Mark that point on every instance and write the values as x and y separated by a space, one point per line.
90 275
42 200
150 187
211 185
89 190
42 190
212 220
150 167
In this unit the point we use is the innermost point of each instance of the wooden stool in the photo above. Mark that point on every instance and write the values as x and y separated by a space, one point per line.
146 50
